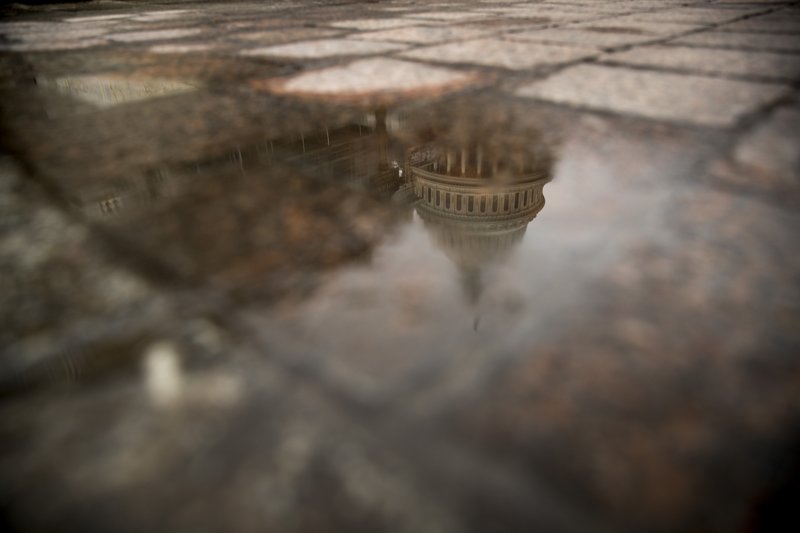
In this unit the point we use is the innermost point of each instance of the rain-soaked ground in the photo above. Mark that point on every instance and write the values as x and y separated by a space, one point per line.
459 267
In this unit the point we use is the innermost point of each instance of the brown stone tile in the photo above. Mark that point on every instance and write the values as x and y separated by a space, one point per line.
62 292
642 404
766 160
315 466
155 35
775 23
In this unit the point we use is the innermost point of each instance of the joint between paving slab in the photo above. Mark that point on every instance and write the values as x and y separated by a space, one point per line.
606 62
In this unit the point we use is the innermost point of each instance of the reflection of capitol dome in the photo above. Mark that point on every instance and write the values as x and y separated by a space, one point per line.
476 208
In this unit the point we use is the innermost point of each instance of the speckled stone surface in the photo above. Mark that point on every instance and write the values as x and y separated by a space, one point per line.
309 266
763 65
586 37
499 53
745 41
696 99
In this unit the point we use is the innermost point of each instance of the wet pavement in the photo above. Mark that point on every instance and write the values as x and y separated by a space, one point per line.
309 266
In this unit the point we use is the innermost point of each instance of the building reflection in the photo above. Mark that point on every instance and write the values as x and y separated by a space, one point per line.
104 91
476 202
355 154
474 199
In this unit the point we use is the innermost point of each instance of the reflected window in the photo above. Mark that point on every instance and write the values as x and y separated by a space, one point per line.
483 204
470 204
458 202
494 204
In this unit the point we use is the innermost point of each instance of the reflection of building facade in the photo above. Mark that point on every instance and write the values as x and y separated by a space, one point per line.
354 154
475 201
108 90
475 205
460 185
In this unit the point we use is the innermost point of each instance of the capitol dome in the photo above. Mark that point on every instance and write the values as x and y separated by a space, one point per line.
475 206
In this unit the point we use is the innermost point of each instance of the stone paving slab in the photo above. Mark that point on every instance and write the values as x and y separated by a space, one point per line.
324 48
659 471
372 24
583 37
745 41
658 95
57 280
635 27
378 79
424 34
767 159
704 61
447 16
288 35
691 15
499 53
790 25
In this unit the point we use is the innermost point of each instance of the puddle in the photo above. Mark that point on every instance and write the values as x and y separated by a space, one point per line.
331 264
383 244
376 236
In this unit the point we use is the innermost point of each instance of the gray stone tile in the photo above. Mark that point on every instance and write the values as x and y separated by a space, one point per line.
559 16
708 61
165 14
372 24
448 16
270 37
663 96
98 18
747 41
635 27
423 34
691 15
499 53
324 48
370 77
582 37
